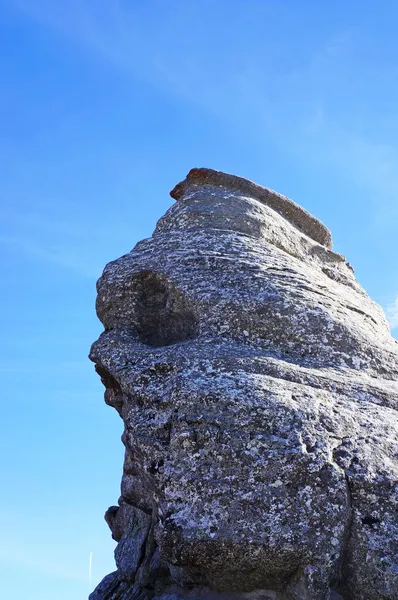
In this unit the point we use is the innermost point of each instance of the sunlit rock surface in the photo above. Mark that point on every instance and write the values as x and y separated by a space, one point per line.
257 383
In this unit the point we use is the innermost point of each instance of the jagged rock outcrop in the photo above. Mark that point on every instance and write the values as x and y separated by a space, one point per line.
258 385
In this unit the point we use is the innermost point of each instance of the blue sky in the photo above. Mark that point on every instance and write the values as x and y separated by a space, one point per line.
104 106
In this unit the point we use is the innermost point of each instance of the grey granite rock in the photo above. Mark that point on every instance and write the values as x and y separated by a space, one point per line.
258 385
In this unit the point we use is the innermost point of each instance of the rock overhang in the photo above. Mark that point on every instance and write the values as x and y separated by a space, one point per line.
292 212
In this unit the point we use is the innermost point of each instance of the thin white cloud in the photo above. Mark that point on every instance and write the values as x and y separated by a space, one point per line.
57 367
70 258
392 313
16 370
73 245
292 106
14 556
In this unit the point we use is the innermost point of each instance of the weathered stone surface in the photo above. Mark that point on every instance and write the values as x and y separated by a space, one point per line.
258 387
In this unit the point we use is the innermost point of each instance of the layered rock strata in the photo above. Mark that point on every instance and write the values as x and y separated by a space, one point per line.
258 386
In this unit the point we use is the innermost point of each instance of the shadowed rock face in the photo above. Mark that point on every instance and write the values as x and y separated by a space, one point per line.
257 383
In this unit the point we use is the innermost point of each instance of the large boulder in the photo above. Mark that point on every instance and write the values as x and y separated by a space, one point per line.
258 387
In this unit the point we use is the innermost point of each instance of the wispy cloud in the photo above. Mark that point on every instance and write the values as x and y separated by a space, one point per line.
57 367
64 257
14 556
73 245
295 105
392 313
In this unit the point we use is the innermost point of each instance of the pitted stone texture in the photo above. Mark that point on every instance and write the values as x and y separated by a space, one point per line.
258 387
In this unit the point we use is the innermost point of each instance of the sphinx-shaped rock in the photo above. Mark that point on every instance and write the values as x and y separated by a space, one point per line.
257 383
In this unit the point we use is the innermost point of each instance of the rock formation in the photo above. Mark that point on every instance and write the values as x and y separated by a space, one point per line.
258 385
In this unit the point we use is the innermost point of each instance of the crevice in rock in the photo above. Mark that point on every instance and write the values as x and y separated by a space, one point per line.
111 520
150 568
113 392
162 313
144 509
156 466
107 379
370 521
361 312
340 585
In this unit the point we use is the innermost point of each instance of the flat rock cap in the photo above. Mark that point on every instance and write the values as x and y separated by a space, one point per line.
291 211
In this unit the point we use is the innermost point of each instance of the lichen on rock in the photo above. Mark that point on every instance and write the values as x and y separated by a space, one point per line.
258 386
